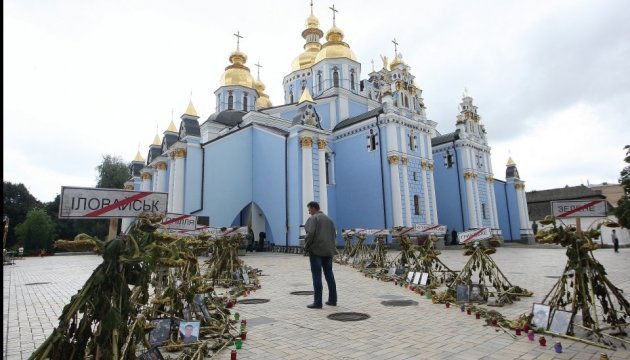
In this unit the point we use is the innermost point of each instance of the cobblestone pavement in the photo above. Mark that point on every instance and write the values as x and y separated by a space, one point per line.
36 289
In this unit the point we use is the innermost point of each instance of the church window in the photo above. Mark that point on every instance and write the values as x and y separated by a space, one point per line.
328 169
291 94
303 84
484 213
448 159
319 81
230 103
372 141
479 160
352 79
406 100
416 205
245 96
412 141
335 77
415 176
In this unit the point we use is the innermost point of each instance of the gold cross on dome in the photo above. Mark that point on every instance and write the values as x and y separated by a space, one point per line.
238 39
395 47
258 66
334 11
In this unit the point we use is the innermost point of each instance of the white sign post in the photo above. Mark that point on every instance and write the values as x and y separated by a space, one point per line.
436 229
471 235
94 203
579 208
180 222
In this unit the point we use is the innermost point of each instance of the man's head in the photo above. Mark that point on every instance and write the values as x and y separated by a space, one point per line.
313 207
188 330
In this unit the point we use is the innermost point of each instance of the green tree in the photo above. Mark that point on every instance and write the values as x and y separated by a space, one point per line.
17 201
112 173
37 231
623 206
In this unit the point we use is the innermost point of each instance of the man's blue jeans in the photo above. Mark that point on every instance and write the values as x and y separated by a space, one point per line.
319 263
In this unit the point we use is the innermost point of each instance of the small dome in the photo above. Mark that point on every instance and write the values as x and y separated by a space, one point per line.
397 60
263 99
307 58
237 73
335 47
312 22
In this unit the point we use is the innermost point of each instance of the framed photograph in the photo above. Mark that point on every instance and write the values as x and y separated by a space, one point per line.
424 279
461 293
416 278
540 315
245 277
189 331
392 271
475 293
200 306
153 354
560 321
409 276
161 332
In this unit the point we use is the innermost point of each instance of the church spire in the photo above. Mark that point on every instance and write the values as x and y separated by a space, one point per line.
190 110
312 34
237 73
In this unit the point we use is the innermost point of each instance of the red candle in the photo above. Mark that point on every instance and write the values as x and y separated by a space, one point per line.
542 341
468 311
233 355
518 331
477 316
447 304
243 336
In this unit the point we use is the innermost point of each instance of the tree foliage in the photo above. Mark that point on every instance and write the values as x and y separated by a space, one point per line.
17 201
112 173
37 231
623 206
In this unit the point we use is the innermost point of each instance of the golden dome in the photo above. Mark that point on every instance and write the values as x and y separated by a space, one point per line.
237 73
171 127
263 99
312 22
335 47
138 157
307 58
397 60
190 110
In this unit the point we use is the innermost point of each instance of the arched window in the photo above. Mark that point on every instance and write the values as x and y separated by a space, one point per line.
230 100
319 81
335 77
406 100
291 94
352 79
245 96
372 142
416 204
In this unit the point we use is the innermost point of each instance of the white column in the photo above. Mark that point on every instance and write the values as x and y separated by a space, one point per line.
493 202
160 181
522 207
472 217
307 175
395 179
171 182
425 190
405 173
178 193
323 188
146 181
434 218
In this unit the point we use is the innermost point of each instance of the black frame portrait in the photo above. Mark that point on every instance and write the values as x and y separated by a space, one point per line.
542 321
152 354
162 331
461 293
471 294
561 321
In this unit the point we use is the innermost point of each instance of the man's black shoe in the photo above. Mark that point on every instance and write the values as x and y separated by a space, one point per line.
314 306
331 303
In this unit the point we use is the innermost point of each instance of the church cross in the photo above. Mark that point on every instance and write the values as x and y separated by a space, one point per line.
238 39
258 66
395 47
334 11
311 7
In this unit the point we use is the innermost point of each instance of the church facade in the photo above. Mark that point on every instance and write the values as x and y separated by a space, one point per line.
363 148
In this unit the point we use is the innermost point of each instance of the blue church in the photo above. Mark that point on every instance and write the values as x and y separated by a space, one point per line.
363 148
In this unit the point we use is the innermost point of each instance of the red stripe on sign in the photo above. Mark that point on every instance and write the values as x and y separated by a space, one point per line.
431 228
580 208
175 219
118 204
473 235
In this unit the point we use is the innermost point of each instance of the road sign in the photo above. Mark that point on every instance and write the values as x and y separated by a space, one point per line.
472 235
93 203
180 222
579 208
431 228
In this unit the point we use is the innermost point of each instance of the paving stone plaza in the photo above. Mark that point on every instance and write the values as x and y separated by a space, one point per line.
36 289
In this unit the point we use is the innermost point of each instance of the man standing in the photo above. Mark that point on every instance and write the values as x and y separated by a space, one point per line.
615 241
320 244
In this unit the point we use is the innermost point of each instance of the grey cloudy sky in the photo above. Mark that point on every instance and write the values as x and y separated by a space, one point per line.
83 79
